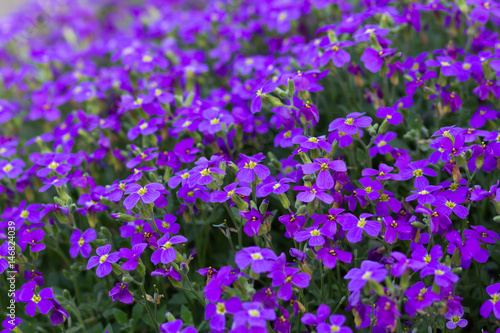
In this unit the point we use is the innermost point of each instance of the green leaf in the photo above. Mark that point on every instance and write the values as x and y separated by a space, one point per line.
137 312
186 315
121 316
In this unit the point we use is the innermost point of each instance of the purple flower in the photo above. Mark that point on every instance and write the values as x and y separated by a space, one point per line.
284 138
145 156
369 270
424 194
144 127
336 325
133 256
481 13
363 34
371 189
335 52
442 275
481 233
202 173
324 179
229 191
393 117
254 220
381 145
217 312
250 167
40 301
168 224
185 151
492 304
33 238
446 64
286 278
450 201
175 327
419 170
350 124
54 181
261 260
11 169
146 194
454 315
121 293
81 242
393 227
103 260
311 194
268 87
373 59
315 235
167 272
356 226
331 255
270 185
254 315
165 252
419 297
309 143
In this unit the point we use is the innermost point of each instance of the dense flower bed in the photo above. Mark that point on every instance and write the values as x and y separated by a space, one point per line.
250 166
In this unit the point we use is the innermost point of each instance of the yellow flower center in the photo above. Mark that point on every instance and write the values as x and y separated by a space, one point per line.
103 258
259 92
427 258
143 126
167 245
8 167
418 173
384 197
439 272
81 241
361 222
187 123
368 189
25 214
332 252
250 165
36 298
423 192
288 279
287 134
367 275
185 175
230 193
334 328
257 256
221 308
495 298
450 204
53 165
312 140
190 194
335 48
324 166
455 319
165 225
315 232
349 121
214 121
147 58
254 313
142 191
205 172
122 186
444 63
276 186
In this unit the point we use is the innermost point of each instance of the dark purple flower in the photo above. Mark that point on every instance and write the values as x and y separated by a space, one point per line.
261 260
374 59
40 301
310 194
165 252
331 255
103 260
324 179
81 242
369 270
250 167
351 123
133 256
121 293
146 194
355 226
493 303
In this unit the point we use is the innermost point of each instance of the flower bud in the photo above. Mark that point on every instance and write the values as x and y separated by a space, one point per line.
418 225
291 87
125 217
58 201
127 279
189 99
240 203
263 206
310 208
384 127
105 232
141 268
284 200
302 210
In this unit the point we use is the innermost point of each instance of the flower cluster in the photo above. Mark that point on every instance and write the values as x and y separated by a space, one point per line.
244 166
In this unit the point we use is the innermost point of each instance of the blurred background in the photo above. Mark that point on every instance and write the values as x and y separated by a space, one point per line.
7 6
